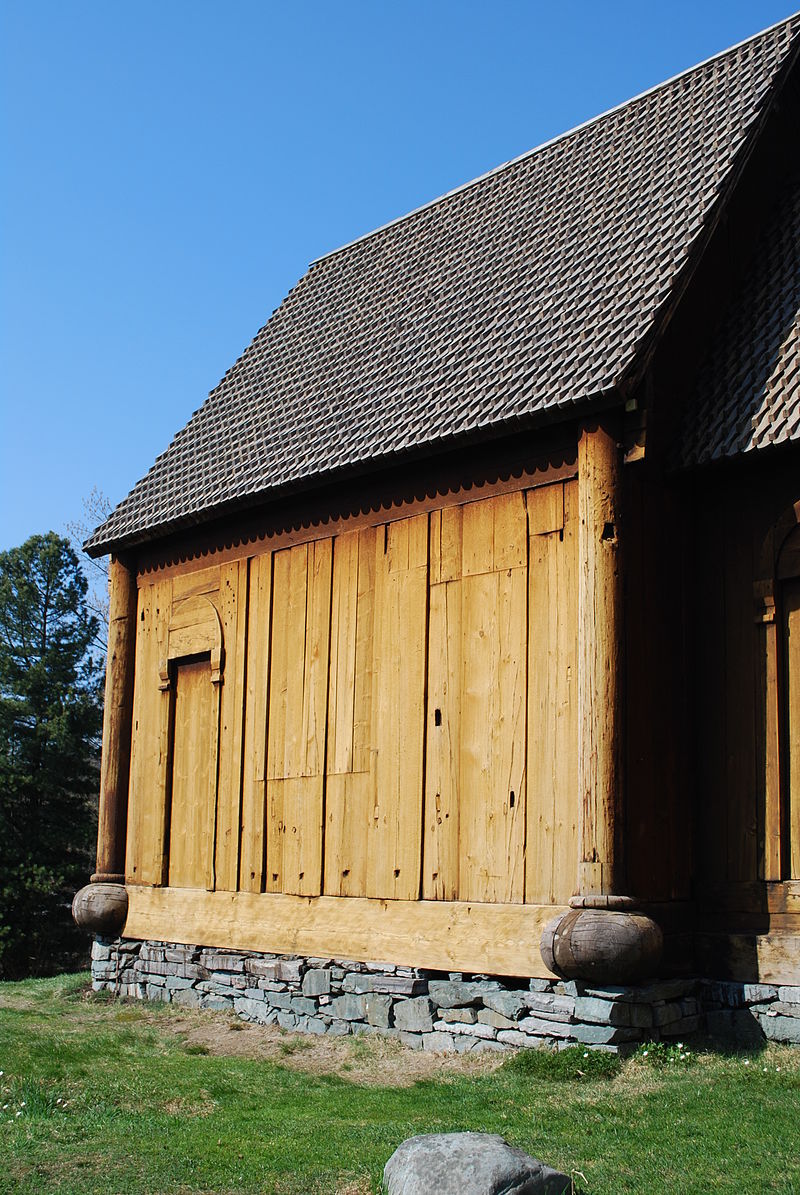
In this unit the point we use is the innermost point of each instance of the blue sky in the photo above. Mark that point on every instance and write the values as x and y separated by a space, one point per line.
170 169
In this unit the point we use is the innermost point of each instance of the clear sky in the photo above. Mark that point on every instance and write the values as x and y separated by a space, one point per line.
170 169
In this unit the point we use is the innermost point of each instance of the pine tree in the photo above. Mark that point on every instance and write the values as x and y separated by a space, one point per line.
50 716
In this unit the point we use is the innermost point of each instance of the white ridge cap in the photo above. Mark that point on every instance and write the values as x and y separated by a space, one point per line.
529 153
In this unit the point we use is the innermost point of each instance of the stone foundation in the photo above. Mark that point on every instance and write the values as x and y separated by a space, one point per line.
439 1011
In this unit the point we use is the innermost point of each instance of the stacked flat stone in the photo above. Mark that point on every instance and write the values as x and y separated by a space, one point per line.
434 1011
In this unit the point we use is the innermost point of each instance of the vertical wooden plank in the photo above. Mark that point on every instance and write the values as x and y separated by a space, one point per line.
145 862
282 645
193 775
298 708
394 846
317 655
297 665
440 848
492 755
565 693
301 803
348 783
740 802
233 597
341 695
791 614
552 806
510 531
710 675
303 794
251 865
477 550
363 747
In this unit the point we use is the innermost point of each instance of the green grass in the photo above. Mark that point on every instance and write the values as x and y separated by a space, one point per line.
106 1097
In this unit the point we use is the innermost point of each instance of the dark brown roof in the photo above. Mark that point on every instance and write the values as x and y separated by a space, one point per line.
517 297
748 390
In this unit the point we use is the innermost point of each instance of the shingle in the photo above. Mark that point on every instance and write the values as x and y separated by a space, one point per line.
748 389
515 298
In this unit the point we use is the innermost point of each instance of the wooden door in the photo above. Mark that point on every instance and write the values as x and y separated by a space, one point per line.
194 775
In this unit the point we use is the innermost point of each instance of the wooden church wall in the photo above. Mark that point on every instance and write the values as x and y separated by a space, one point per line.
744 674
388 713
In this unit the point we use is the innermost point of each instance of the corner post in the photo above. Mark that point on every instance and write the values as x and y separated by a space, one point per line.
600 662
102 905
602 938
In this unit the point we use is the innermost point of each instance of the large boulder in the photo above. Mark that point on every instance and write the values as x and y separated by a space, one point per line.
468 1164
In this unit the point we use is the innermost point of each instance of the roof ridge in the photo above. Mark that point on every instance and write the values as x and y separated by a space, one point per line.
529 153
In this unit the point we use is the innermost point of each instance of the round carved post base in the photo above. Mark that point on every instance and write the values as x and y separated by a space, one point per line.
602 939
101 908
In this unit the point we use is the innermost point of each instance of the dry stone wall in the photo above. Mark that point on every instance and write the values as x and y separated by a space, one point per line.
435 1011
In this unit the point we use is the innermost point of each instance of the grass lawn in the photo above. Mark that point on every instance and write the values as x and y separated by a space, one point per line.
99 1096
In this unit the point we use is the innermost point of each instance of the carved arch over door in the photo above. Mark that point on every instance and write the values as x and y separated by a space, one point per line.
191 663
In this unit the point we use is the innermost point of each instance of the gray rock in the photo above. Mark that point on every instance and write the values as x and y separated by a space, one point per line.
188 997
303 1006
682 1028
541 985
437 1041
540 1027
484 1031
316 982
414 1040
250 1010
602 1035
641 1015
467 1016
508 1004
666 1014
789 995
602 1012
216 960
217 1003
759 993
414 1015
289 970
348 1008
551 1006
378 1010
487 1016
513 1037
468 1164
176 983
737 1023
287 1020
781 1028
452 993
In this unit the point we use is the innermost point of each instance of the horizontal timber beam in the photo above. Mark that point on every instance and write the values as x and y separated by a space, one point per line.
439 935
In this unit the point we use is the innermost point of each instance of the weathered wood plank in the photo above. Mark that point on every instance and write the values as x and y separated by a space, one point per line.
441 935
791 614
233 599
251 864
440 849
552 803
145 858
394 847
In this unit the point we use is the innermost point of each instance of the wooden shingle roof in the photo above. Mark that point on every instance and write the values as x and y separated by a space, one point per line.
525 295
747 394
